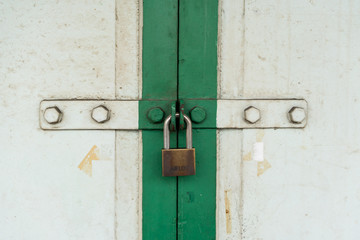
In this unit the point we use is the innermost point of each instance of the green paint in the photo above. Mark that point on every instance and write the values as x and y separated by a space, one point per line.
198 49
208 105
198 79
145 106
155 115
169 107
197 194
173 117
160 34
183 207
197 114
159 193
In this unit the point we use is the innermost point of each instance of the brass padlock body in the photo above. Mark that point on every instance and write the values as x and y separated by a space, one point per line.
178 162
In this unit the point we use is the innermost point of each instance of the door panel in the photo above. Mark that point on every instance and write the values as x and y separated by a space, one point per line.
304 188
50 50
198 79
159 82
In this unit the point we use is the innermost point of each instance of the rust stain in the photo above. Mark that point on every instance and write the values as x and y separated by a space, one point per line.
86 163
247 157
262 167
227 212
260 135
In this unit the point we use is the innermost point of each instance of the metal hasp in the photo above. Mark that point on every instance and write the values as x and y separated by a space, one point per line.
178 162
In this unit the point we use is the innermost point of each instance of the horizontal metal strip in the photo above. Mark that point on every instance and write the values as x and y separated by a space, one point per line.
261 113
89 114
124 115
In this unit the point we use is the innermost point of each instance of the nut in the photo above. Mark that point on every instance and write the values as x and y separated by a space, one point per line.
100 114
53 115
197 114
297 115
252 114
155 115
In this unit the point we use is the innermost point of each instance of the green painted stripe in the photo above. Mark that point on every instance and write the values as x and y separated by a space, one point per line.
197 194
198 79
160 36
198 49
159 193
185 205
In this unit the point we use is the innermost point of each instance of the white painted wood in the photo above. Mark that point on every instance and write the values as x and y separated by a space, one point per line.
128 210
123 115
49 50
228 189
128 51
128 177
230 49
60 184
306 186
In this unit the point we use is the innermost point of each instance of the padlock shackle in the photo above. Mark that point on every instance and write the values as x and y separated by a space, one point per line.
167 131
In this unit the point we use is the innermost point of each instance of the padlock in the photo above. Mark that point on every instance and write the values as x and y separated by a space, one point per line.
178 162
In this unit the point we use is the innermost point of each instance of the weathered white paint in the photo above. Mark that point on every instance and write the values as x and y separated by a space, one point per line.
128 83
64 50
128 187
228 188
128 51
48 49
306 186
77 114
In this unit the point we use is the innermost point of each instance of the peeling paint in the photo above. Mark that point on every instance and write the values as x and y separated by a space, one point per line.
247 157
86 163
227 212
262 167
260 135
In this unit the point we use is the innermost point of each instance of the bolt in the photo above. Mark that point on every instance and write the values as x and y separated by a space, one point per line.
252 114
53 115
297 115
155 115
100 114
197 114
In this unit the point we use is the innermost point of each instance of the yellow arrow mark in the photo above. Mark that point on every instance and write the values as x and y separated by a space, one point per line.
86 163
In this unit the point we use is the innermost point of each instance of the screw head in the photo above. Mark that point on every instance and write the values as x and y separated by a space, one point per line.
155 115
252 114
197 114
297 115
53 115
100 114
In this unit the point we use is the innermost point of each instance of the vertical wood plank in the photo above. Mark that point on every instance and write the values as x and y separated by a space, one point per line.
160 22
198 48
198 79
160 49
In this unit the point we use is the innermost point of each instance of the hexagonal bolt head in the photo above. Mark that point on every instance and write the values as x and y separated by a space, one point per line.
252 114
53 115
197 114
155 115
297 115
100 114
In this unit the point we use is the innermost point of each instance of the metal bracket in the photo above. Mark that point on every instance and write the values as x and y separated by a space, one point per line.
149 114
89 114
261 113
